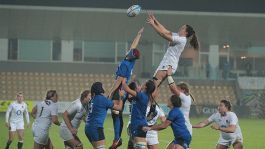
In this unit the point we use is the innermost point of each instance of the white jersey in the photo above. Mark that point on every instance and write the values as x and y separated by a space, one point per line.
173 53
185 109
15 112
45 110
152 136
152 119
224 121
76 113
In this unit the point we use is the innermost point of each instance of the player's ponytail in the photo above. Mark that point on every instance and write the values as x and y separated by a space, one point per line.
193 38
150 88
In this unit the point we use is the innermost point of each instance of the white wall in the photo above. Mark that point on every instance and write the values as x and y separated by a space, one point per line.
3 49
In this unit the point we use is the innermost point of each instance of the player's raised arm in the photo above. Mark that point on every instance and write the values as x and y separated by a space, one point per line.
159 28
128 90
137 39
172 86
115 86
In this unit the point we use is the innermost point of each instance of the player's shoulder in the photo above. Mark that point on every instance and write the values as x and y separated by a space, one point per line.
231 114
24 103
77 103
13 103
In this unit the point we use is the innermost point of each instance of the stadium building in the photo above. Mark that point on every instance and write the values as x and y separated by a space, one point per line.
66 45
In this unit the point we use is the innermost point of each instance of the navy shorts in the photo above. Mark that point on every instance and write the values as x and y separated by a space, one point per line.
183 142
138 132
95 133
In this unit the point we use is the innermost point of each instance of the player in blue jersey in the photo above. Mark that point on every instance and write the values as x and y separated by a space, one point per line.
138 116
97 112
177 121
123 72
133 86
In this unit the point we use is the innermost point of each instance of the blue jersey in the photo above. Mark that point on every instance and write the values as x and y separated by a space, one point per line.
125 69
97 111
139 106
178 124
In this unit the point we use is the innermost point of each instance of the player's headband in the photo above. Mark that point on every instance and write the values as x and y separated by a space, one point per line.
133 54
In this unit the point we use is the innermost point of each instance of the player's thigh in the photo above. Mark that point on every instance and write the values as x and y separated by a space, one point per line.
49 145
161 74
238 145
177 146
154 146
11 135
20 133
37 146
171 145
220 146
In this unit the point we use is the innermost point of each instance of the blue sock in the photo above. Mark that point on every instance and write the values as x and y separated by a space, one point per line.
117 126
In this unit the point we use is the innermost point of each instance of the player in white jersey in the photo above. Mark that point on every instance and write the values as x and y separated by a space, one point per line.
227 123
153 113
177 42
45 113
73 116
182 90
15 120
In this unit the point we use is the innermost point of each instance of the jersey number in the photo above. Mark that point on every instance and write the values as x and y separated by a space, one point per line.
41 111
47 103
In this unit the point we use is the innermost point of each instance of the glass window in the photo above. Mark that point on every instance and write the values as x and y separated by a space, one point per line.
78 51
158 53
99 51
12 49
121 50
36 50
56 50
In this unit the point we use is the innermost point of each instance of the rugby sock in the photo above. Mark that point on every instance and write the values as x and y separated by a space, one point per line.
117 125
130 144
19 145
7 144
121 124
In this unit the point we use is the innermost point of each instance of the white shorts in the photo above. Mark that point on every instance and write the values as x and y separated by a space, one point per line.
165 68
65 133
229 142
14 126
41 136
152 137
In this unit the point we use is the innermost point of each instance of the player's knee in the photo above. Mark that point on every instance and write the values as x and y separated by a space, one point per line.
140 145
79 146
100 147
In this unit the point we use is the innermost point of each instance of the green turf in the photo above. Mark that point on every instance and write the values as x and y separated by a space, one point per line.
253 133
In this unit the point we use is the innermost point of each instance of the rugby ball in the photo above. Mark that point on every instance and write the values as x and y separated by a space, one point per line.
134 10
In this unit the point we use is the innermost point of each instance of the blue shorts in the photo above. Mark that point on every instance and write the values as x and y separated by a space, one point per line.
94 133
184 142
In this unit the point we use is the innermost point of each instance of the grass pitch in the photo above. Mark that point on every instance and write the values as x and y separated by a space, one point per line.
253 132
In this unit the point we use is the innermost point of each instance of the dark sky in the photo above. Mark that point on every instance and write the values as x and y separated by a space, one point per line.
240 6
